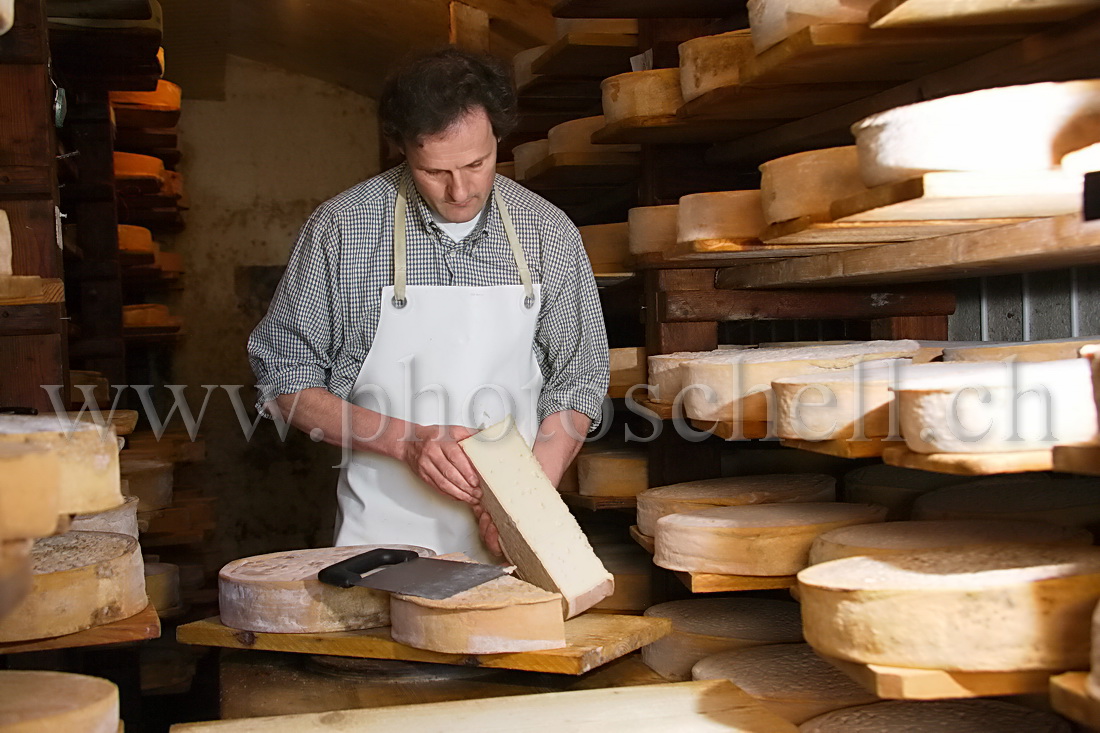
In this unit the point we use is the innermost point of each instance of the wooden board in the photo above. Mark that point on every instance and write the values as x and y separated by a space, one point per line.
938 13
903 683
47 290
968 464
594 640
644 540
582 170
1083 459
595 503
806 231
786 102
734 431
663 410
596 55
718 250
675 130
1069 697
844 448
711 583
142 626
642 8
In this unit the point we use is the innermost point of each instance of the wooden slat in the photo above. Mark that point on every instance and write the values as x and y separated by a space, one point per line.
1070 697
582 170
596 503
711 583
674 130
1083 459
145 625
786 102
749 430
728 251
845 235
646 542
740 305
597 55
901 683
840 448
968 464
647 8
940 13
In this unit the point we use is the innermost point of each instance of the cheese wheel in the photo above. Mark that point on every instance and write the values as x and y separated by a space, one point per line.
892 538
1017 128
15 573
1082 161
732 491
807 184
162 584
167 96
136 240
651 93
81 580
1072 502
894 488
623 26
144 314
720 215
627 369
651 229
575 136
612 473
710 62
121 520
773 21
51 702
632 568
151 481
937 716
736 386
280 593
1047 350
665 375
788 679
88 388
995 407
30 491
86 455
607 246
503 615
757 540
521 65
996 609
528 155
704 627
133 165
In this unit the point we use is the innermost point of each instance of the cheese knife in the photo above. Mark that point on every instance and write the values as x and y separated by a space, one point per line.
405 572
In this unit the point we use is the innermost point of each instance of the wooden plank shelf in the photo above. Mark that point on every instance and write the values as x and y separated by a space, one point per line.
645 541
591 55
1082 458
715 251
583 92
646 8
950 13
905 683
596 503
45 291
140 627
747 430
808 231
773 103
712 583
870 448
675 130
594 639
607 279
1070 697
969 464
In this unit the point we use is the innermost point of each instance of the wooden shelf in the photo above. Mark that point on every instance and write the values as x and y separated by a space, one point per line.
143 626
946 13
773 104
646 542
904 683
968 464
719 252
52 290
646 8
748 430
582 92
674 130
711 583
871 448
596 503
591 55
607 279
1069 696
585 171
1083 459
808 231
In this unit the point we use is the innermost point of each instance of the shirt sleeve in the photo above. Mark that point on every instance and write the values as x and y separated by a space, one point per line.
293 347
571 337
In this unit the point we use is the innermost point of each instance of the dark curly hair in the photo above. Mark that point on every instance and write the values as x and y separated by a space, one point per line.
428 94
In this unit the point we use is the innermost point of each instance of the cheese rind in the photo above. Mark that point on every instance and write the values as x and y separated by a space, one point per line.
15 573
651 93
651 229
628 368
527 155
50 702
736 215
162 584
848 403
666 376
607 246
894 488
937 716
121 520
1072 502
151 481
575 136
710 62
612 473
30 489
807 184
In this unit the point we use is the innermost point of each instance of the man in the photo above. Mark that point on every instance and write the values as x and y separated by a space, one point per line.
430 301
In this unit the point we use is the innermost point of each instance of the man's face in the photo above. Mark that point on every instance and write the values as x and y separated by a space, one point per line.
454 170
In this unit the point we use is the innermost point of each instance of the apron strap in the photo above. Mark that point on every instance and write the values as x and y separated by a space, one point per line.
517 250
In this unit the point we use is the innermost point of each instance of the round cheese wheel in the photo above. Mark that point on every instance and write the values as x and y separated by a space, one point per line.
134 165
162 584
151 481
758 540
167 96
528 155
666 376
710 62
1017 128
30 488
892 538
50 702
145 314
720 215
1069 502
692 496
280 593
618 26
135 239
997 609
652 93
575 136
707 626
773 21
81 580
607 246
521 65
612 473
651 229
632 568
122 520
894 488
806 184
937 716
788 679
1046 350
15 573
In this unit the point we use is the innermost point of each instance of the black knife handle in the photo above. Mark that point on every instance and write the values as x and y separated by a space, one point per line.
344 573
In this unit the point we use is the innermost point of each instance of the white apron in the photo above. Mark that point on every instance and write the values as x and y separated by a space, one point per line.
443 355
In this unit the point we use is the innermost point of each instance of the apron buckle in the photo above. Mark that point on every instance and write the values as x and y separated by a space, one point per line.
400 303
529 302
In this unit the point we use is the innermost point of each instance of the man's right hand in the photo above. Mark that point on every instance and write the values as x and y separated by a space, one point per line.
435 456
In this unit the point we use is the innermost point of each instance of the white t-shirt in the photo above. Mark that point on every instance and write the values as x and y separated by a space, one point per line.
457 232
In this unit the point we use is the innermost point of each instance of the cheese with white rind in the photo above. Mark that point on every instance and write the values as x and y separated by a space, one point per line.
937 716
893 538
575 136
612 473
1025 351
628 367
692 496
773 21
121 520
710 62
807 184
978 609
788 679
1006 129
151 481
33 701
615 26
736 386
81 580
280 593
538 533
1069 502
528 155
651 229
30 491
736 215
162 584
666 377
521 65
704 627
755 540
651 93
607 246
893 487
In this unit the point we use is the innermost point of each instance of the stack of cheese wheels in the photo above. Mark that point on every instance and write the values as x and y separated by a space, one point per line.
1069 502
651 229
756 540
1047 350
736 386
503 615
788 679
81 580
665 374
628 367
894 488
162 584
652 93
575 136
528 155
846 403
30 488
280 593
632 568
932 610
773 21
710 62
707 626
611 26
806 184
135 240
893 538
732 491
121 520
41 702
15 573
151 481
159 108
521 65
938 716
612 473
720 215
607 246
1008 129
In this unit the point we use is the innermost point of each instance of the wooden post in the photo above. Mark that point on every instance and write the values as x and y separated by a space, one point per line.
469 27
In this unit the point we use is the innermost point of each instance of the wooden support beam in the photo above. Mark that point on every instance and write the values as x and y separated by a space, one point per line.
772 305
469 27
664 338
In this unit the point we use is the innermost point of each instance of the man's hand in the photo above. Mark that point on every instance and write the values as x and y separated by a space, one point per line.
487 529
435 456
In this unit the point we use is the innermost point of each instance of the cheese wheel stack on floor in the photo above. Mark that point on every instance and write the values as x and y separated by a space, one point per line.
122 520
1046 350
937 716
807 184
667 377
52 702
692 496
997 609
280 593
607 246
632 568
756 540
788 679
528 155
1068 502
651 229
720 215
612 473
575 136
894 488
651 93
710 62
707 626
773 21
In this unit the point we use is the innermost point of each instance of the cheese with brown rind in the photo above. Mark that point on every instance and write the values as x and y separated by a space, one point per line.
1068 502
33 701
607 246
736 215
893 487
1025 351
651 229
651 93
937 716
612 473
151 481
710 62
807 184
575 136
30 489
120 520
162 584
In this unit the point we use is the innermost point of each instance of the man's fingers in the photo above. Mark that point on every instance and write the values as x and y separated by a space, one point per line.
461 462
432 475
452 474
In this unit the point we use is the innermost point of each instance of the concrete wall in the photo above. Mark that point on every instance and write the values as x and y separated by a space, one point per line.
255 166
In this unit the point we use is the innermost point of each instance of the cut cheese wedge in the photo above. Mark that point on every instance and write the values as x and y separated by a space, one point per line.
612 473
938 716
121 520
666 377
632 568
15 573
757 540
707 626
651 229
710 62
575 136
162 584
81 580
1047 350
51 702
607 246
732 491
623 26
893 538
1018 128
151 481
528 155
280 593
894 488
30 491
999 609
651 93
1073 502
807 184
537 531
135 240
521 65
773 21
736 215
788 679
